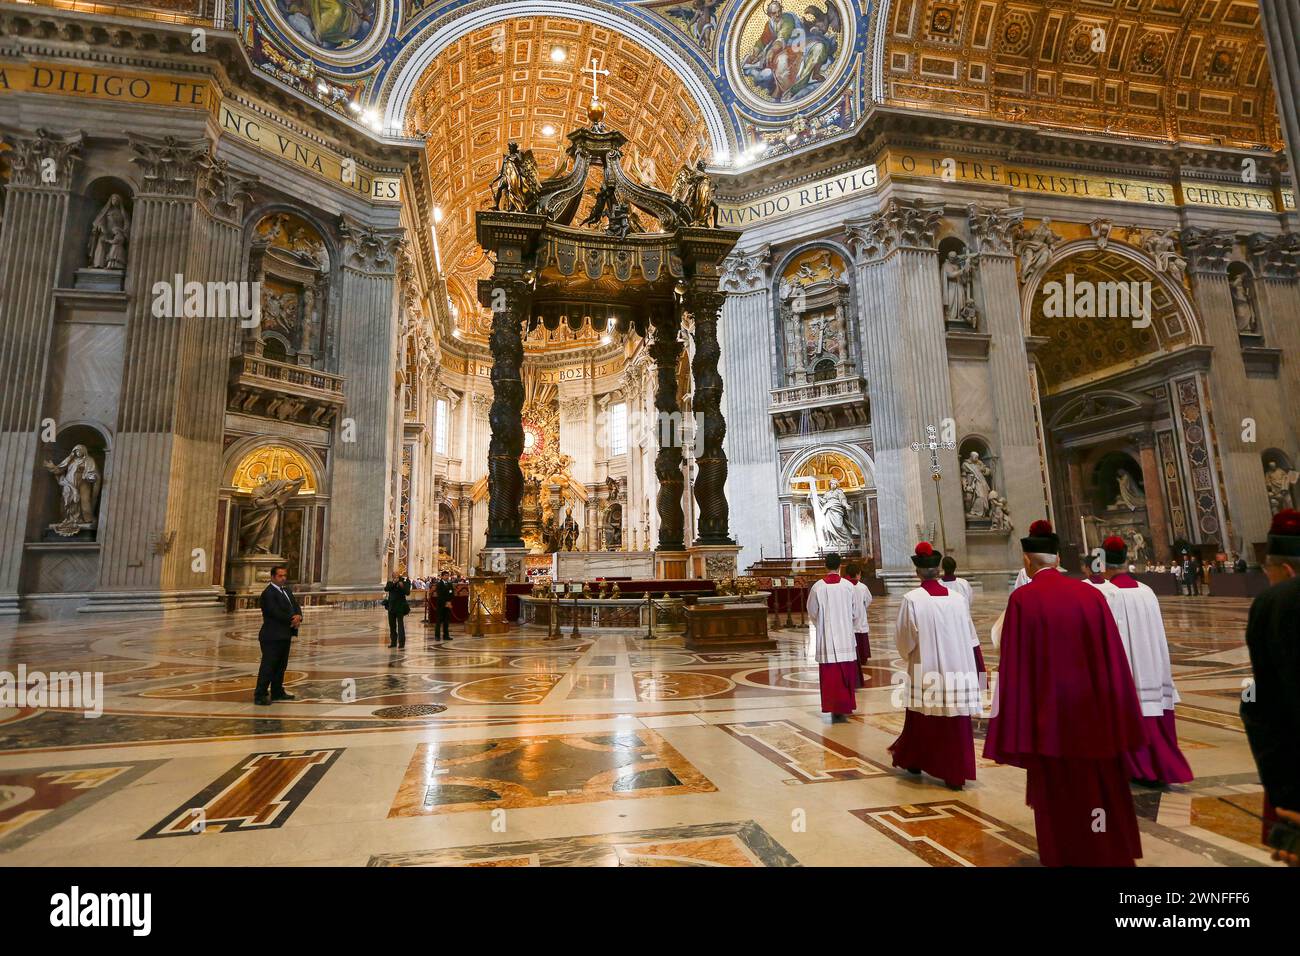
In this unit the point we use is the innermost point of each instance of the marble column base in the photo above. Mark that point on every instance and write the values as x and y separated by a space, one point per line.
103 602
252 573
508 562
713 561
9 605
671 565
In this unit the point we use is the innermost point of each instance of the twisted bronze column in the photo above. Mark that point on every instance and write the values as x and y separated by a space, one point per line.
666 352
704 302
505 479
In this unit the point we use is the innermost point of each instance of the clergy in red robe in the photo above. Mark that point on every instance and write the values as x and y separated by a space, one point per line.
936 640
1142 629
1066 711
1271 711
833 613
852 571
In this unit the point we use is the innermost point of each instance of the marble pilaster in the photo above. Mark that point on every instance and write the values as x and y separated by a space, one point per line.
1208 253
907 374
1009 368
170 416
36 211
747 342
367 351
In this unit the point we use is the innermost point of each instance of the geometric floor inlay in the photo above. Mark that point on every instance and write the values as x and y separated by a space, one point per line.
33 801
708 844
259 792
543 770
950 833
809 756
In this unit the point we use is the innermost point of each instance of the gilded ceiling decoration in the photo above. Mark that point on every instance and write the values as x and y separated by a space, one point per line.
1188 70
502 84
1082 349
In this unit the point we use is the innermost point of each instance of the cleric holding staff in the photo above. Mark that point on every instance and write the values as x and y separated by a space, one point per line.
1065 710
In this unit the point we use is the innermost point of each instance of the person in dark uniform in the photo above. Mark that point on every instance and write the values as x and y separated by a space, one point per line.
443 592
397 589
281 616
1270 711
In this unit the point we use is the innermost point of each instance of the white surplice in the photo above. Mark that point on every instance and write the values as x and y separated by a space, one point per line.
1142 629
1022 578
936 639
960 586
864 601
833 613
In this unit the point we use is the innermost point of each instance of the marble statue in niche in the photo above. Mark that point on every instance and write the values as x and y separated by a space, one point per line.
79 482
260 520
110 234
1278 482
959 289
1242 309
831 515
999 512
1130 496
976 485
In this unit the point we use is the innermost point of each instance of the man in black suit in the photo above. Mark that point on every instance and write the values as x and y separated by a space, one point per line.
1270 711
281 616
443 592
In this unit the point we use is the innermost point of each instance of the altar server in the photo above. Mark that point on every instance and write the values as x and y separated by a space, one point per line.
833 613
936 640
1066 711
1142 629
961 586
950 580
852 571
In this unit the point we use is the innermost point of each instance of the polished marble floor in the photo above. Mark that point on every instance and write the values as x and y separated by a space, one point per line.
513 750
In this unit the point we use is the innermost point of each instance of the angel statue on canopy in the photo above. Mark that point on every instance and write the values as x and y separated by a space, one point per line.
693 189
517 182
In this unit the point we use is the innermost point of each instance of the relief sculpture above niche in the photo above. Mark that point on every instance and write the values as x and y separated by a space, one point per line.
815 302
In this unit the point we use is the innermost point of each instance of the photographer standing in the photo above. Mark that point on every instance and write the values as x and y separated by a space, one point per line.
397 588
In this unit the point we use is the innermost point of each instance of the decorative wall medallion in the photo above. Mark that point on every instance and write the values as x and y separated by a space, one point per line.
781 58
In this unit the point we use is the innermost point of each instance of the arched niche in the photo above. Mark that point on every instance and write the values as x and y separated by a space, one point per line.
102 216
299 536
73 467
816 318
290 258
1280 480
1245 302
831 471
983 503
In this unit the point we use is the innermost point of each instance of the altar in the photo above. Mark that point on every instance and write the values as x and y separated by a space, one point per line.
592 565
649 608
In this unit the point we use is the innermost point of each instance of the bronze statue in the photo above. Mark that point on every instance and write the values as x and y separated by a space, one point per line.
693 189
517 182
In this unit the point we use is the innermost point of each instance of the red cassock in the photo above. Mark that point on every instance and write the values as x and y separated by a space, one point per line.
1067 712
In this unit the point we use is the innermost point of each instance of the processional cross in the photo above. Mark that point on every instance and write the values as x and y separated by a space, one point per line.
596 74
932 444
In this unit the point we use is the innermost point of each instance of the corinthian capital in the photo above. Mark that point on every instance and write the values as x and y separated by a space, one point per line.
370 249
995 228
171 166
746 271
44 159
224 192
901 224
1207 250
1274 257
